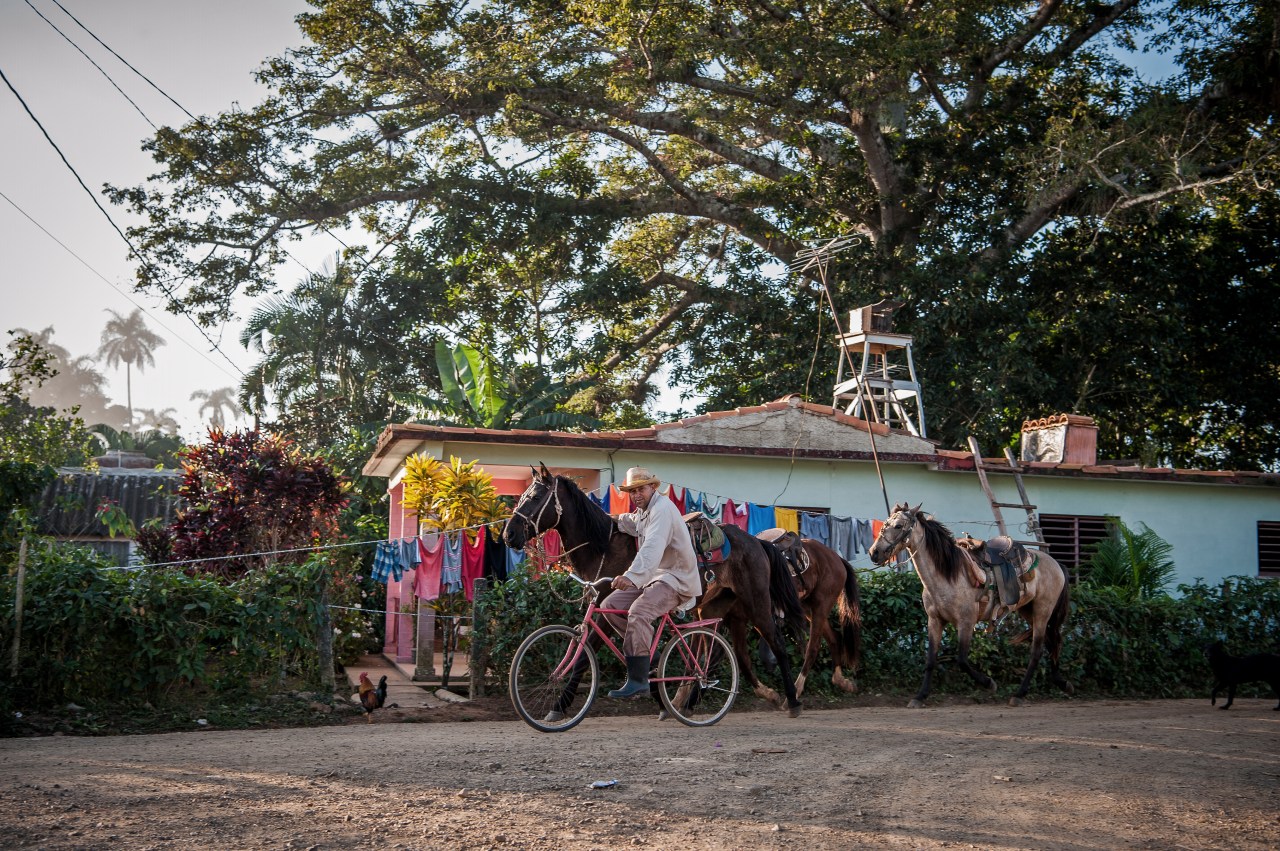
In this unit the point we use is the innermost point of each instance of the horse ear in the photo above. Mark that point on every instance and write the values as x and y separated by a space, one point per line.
916 510
546 474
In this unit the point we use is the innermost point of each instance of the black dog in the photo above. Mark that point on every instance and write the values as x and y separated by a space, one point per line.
1230 671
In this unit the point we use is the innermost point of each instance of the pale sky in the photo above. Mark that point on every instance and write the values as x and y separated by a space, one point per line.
202 53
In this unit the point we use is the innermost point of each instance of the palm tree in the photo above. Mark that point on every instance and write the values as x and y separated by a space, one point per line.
128 341
158 420
475 394
215 401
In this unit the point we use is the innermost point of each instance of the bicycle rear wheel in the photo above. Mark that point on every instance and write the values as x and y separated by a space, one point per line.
548 701
702 674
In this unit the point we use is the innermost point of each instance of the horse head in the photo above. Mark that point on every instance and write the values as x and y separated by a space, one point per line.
537 510
895 534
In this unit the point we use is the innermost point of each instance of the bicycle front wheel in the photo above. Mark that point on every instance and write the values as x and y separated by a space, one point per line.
700 677
548 692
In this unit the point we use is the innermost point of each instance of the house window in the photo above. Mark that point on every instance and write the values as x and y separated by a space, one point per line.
1070 538
1269 548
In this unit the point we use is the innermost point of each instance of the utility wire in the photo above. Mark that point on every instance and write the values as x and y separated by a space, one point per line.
104 212
121 58
91 62
111 284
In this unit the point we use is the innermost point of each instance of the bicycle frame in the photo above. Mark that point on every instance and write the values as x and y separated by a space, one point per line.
590 620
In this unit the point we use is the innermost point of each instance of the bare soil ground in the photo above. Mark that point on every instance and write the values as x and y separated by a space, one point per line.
1052 775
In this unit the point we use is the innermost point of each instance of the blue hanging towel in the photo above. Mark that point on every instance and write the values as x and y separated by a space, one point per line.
815 526
760 517
515 562
693 501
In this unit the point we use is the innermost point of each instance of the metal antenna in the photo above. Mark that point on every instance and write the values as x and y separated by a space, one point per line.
818 254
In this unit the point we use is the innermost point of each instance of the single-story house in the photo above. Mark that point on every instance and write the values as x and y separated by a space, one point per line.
795 454
69 505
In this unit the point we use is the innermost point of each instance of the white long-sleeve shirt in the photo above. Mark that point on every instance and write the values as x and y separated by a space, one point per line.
665 552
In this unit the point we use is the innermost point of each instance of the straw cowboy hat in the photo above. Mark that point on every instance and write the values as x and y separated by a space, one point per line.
638 477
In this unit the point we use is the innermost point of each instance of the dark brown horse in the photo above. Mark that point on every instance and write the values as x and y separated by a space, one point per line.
747 587
830 584
954 594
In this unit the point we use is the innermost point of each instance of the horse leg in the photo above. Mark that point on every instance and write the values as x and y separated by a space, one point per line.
1037 649
964 637
738 636
774 639
811 648
930 662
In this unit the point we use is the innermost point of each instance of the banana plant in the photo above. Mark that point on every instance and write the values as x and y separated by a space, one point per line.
475 394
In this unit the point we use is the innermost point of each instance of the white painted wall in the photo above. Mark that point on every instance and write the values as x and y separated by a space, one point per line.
1212 527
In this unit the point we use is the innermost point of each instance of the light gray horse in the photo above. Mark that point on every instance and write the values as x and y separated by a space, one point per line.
954 593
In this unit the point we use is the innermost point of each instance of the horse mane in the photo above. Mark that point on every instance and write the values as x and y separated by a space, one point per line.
597 525
941 546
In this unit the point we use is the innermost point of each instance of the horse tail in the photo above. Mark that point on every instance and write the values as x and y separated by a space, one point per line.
849 612
782 590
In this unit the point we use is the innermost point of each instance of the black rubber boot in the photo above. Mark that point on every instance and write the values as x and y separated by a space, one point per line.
637 678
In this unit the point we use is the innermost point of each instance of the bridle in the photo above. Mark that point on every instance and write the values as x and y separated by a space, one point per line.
546 503
901 536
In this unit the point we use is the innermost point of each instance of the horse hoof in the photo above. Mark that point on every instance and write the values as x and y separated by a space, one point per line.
916 703
1069 688
794 711
663 715
1017 701
993 688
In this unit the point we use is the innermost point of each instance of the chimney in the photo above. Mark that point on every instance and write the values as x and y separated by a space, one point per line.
1060 439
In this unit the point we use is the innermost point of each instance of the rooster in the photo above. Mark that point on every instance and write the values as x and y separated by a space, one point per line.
372 697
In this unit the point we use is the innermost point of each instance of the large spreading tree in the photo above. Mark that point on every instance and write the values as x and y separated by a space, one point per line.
614 188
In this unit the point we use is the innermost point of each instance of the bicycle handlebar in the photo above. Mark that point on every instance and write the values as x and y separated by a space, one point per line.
595 586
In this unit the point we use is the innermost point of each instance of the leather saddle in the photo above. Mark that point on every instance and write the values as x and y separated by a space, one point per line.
710 544
792 547
1005 561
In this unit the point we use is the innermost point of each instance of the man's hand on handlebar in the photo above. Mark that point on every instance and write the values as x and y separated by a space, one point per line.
622 583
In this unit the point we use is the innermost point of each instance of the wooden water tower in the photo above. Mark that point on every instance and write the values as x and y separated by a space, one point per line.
883 387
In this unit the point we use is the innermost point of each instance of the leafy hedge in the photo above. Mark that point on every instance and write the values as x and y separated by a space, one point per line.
93 635
1114 647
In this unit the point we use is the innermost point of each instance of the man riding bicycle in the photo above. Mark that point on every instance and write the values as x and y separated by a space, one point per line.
662 577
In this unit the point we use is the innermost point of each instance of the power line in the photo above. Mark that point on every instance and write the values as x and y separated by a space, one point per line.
111 284
121 58
92 62
105 214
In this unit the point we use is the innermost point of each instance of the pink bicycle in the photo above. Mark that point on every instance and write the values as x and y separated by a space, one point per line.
555 674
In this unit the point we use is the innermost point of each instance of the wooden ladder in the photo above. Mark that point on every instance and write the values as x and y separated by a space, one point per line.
1033 523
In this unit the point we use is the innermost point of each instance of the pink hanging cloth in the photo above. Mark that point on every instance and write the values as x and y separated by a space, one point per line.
431 555
472 561
735 514
619 501
677 496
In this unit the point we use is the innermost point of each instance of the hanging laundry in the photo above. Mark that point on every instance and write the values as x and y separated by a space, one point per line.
787 518
677 496
546 554
712 506
735 515
472 561
430 564
693 501
495 555
760 517
842 536
863 536
408 553
619 501
451 572
516 562
876 526
815 526
602 501
386 561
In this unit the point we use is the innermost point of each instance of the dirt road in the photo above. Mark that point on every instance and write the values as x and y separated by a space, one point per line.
1055 775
